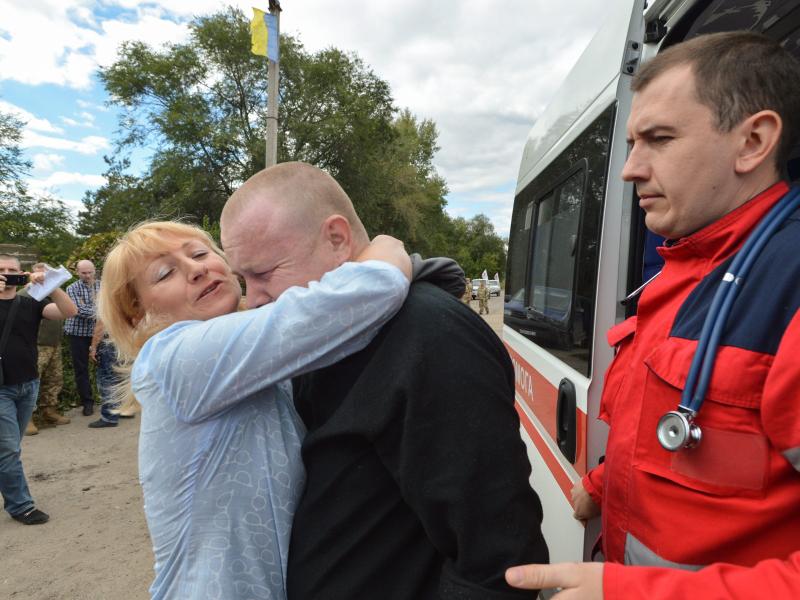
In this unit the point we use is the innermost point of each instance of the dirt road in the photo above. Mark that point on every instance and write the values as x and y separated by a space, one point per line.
96 545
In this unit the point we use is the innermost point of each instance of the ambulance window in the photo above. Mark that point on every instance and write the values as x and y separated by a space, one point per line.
518 244
553 248
554 251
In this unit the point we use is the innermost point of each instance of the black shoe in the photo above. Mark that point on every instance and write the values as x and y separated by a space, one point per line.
33 517
101 423
88 411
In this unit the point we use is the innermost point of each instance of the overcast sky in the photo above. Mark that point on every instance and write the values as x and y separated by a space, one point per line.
481 71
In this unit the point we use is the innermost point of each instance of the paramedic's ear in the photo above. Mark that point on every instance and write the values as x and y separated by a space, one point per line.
759 137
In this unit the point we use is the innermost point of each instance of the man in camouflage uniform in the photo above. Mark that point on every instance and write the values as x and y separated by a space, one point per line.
50 373
483 297
467 295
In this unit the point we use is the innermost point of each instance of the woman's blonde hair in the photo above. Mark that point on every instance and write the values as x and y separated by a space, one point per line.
118 306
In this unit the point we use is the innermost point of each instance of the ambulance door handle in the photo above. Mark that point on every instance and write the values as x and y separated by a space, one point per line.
566 424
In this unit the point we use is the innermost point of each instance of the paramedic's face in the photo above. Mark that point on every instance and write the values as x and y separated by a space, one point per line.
682 165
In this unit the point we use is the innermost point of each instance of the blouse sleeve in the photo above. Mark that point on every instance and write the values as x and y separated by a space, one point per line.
204 367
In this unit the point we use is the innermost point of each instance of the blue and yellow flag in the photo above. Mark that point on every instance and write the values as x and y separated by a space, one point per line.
264 34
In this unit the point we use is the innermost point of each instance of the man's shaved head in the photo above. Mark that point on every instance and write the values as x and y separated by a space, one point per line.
305 194
286 226
85 269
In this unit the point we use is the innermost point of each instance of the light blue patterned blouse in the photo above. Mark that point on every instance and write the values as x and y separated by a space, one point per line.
219 447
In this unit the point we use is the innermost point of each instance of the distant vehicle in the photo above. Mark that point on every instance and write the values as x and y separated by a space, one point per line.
492 284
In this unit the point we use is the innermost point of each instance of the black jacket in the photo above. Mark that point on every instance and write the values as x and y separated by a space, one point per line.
417 477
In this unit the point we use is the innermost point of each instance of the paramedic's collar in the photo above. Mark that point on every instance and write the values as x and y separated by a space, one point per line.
724 236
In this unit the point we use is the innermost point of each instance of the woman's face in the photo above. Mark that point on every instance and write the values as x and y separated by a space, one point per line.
187 281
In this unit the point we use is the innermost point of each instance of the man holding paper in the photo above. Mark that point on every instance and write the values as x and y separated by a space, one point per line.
19 378
49 349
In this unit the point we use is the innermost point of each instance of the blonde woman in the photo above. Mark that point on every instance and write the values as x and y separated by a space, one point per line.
219 447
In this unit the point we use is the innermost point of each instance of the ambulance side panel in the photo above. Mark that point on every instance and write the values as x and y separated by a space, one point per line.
563 277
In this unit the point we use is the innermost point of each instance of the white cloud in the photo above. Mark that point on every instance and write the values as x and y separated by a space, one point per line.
483 72
92 106
47 162
89 145
64 178
88 120
32 122
63 43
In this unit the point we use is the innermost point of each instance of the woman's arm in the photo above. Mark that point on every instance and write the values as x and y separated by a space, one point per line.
205 367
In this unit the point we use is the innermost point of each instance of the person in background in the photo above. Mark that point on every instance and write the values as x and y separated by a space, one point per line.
51 372
79 330
483 297
219 444
104 354
20 383
467 295
713 123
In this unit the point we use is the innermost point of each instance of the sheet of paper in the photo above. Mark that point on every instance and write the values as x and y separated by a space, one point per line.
52 279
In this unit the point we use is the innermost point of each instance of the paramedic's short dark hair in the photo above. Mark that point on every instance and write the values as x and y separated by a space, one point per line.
737 74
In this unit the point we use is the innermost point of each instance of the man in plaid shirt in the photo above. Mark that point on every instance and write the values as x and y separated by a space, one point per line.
79 330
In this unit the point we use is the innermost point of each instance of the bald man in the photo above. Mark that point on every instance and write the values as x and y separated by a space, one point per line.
417 480
79 330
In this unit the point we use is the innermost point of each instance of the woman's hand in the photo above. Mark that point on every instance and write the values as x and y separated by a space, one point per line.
390 250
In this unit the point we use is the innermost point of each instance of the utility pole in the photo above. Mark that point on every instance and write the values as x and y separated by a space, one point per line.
273 77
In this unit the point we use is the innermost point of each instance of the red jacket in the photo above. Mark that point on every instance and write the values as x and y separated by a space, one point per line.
736 497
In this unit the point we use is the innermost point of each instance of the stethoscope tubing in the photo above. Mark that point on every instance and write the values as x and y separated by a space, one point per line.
702 365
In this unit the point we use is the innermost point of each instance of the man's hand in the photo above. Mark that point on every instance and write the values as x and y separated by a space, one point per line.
578 581
93 354
582 504
387 249
36 277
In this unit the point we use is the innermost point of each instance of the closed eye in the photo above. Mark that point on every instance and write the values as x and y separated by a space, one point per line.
661 139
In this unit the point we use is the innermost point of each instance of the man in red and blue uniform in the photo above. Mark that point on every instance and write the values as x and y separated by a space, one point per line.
712 124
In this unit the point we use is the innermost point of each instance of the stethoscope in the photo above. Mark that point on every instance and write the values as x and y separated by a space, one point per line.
677 429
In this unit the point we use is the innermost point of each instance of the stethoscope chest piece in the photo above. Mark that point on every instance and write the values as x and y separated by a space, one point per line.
676 430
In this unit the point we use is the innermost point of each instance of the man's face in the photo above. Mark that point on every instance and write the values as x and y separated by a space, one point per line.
683 167
272 253
9 265
86 272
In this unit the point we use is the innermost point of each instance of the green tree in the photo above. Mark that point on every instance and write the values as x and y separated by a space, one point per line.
476 246
201 108
94 248
13 165
40 223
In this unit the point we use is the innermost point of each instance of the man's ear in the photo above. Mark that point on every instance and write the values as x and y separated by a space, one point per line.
337 233
760 137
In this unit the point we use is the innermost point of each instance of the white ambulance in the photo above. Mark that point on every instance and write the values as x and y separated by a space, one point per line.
578 246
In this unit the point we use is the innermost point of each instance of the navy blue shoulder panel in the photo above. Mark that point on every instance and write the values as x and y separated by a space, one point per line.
766 304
